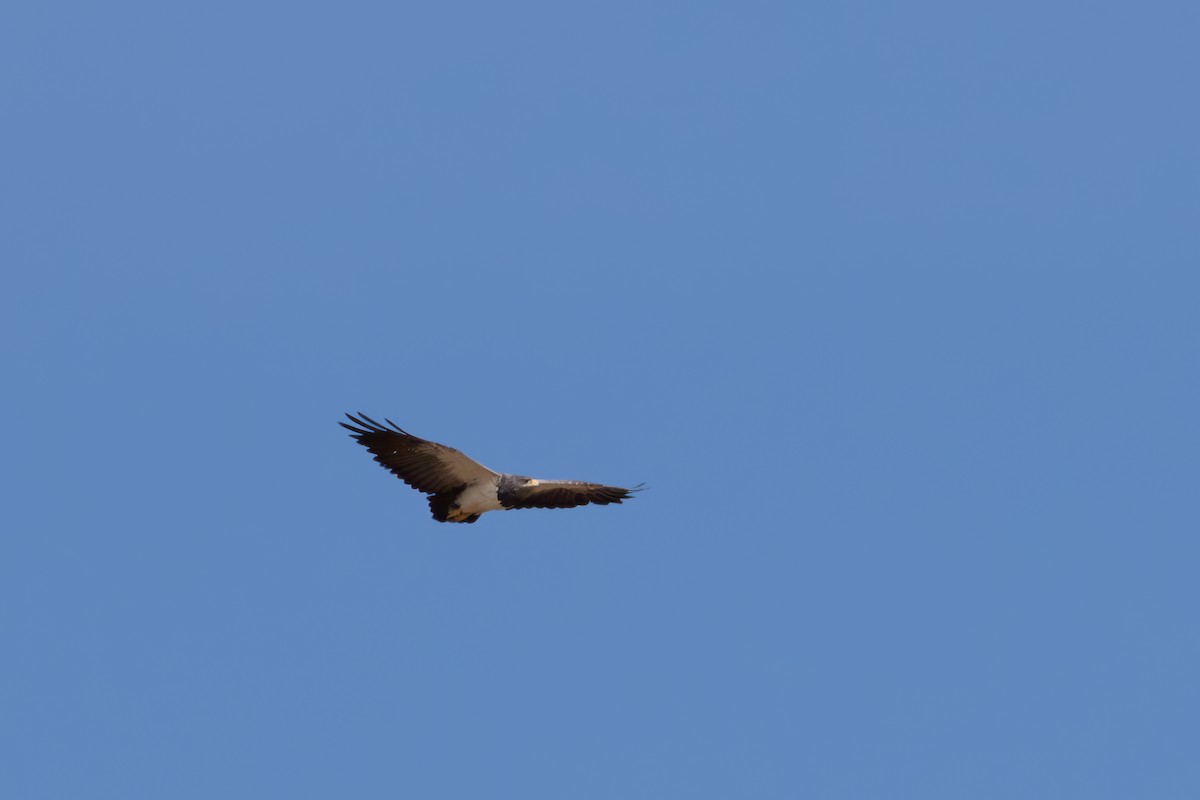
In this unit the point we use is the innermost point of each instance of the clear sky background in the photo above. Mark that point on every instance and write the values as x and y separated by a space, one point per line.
894 306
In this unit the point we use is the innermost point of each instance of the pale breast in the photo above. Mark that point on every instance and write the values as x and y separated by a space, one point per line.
479 497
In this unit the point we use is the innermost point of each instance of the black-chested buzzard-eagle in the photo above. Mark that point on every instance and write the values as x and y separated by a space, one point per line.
461 489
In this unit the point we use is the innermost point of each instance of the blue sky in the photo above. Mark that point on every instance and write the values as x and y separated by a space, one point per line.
894 305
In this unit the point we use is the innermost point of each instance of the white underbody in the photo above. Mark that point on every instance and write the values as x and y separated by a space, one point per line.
476 499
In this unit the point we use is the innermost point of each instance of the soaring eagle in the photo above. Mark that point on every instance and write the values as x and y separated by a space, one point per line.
461 489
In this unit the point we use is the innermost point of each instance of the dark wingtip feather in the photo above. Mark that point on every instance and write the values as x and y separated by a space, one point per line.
362 421
374 424
355 432
359 420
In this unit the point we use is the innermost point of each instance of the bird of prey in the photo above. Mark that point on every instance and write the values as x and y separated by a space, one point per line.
459 488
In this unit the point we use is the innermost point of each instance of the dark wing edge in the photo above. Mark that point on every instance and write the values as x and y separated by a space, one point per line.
372 426
570 494
424 465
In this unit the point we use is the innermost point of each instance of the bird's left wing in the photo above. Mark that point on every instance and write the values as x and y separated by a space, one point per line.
424 465
568 494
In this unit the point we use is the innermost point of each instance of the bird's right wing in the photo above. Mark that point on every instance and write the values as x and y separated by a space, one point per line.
568 494
426 466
